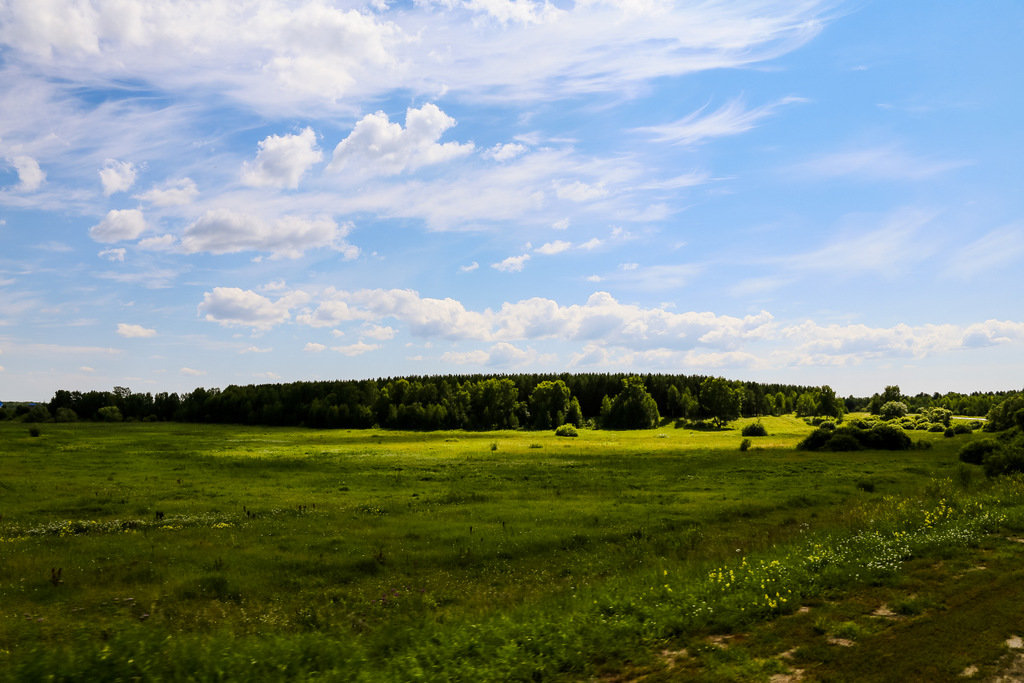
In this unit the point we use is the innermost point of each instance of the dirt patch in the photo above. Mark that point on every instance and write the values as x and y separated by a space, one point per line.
841 642
794 675
884 611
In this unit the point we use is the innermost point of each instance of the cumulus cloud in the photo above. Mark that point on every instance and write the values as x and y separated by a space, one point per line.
504 152
134 331
379 332
175 193
113 255
513 264
119 225
556 247
30 175
357 349
470 268
231 306
282 160
314 347
222 231
117 176
376 146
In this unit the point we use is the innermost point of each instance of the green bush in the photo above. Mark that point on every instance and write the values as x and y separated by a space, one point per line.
949 433
1007 459
936 428
754 429
745 444
882 436
109 414
975 452
843 442
961 428
566 430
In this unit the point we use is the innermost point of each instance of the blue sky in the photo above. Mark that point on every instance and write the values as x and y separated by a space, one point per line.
218 192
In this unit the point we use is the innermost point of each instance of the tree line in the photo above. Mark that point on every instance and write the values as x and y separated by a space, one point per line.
481 402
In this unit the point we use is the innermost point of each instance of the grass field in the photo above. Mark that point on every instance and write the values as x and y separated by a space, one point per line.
172 552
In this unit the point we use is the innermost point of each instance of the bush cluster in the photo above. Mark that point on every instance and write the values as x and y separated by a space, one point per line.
754 429
1003 455
880 436
566 430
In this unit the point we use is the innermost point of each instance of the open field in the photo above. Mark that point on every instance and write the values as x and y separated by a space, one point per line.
170 551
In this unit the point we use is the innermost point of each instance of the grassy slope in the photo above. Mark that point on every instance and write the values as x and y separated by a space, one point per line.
376 554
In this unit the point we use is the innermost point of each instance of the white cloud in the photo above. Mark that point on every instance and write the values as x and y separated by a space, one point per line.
357 349
556 247
578 191
191 372
730 119
863 247
378 332
513 264
119 225
314 347
592 244
561 224
113 255
504 152
997 249
175 193
470 268
879 163
30 175
231 306
376 146
500 355
289 57
221 231
256 349
161 243
134 331
282 160
117 176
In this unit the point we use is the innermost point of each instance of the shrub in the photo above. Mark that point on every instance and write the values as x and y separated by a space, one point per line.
1007 459
975 452
65 415
882 436
566 430
34 431
886 437
109 414
754 429
815 441
745 444
892 410
843 442
936 428
949 433
961 428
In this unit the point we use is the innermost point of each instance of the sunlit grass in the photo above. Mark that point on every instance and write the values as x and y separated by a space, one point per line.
374 555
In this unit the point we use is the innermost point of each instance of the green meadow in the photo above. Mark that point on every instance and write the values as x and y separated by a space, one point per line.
164 551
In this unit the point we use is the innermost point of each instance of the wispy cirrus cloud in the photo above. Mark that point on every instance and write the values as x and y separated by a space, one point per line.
878 163
700 126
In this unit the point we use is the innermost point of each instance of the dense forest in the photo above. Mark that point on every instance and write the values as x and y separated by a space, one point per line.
478 402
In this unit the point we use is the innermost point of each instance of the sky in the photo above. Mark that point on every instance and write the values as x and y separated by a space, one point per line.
213 192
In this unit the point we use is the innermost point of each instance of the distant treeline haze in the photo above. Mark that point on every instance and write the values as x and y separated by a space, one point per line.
479 402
